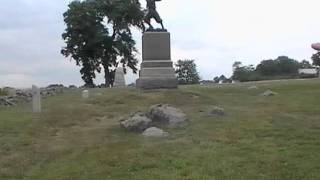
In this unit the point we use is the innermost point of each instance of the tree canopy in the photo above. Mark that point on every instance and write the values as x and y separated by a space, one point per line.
281 67
187 72
98 36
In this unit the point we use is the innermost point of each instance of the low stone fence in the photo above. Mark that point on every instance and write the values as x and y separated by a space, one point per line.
19 96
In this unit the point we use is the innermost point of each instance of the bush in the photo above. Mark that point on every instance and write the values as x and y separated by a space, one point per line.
2 92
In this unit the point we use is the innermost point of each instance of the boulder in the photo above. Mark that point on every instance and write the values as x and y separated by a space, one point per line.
269 93
253 87
215 110
138 122
7 101
155 132
168 115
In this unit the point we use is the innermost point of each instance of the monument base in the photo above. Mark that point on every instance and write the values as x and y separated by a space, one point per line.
157 83
157 70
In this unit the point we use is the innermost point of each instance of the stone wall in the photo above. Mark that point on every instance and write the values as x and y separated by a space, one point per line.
25 96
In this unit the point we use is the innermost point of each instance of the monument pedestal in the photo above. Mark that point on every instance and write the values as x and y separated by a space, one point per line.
156 68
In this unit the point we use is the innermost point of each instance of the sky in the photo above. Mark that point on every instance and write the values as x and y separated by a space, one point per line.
215 33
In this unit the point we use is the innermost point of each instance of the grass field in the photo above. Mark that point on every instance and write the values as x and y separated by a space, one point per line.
267 138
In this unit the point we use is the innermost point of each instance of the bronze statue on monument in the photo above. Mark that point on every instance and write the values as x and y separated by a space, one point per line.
153 13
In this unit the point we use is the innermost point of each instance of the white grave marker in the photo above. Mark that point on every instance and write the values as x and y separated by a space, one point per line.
85 94
36 99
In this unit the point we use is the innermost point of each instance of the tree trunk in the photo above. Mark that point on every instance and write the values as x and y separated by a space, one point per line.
107 76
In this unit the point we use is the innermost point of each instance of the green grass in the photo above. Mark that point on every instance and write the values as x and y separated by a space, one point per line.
259 138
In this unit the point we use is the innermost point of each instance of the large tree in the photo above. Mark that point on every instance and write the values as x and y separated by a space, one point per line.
98 35
280 66
242 73
83 36
187 72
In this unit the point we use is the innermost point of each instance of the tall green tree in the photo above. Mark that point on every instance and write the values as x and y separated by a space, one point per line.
187 72
283 65
242 73
84 37
98 36
316 59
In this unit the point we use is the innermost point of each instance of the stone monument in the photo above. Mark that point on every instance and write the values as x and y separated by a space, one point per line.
119 80
157 68
36 99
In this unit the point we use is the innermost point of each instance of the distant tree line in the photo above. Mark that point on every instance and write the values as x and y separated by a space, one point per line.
282 67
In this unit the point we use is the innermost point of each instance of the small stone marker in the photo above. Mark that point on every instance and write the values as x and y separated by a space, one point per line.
36 99
253 87
119 80
269 93
215 110
85 94
155 132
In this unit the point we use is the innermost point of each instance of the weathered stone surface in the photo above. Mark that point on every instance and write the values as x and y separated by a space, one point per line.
215 110
156 46
137 122
157 83
23 96
85 94
159 63
11 91
17 96
36 99
6 101
168 115
253 87
166 72
155 132
119 80
269 93
157 68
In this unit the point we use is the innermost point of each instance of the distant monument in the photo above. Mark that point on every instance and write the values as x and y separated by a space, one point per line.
119 80
157 68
